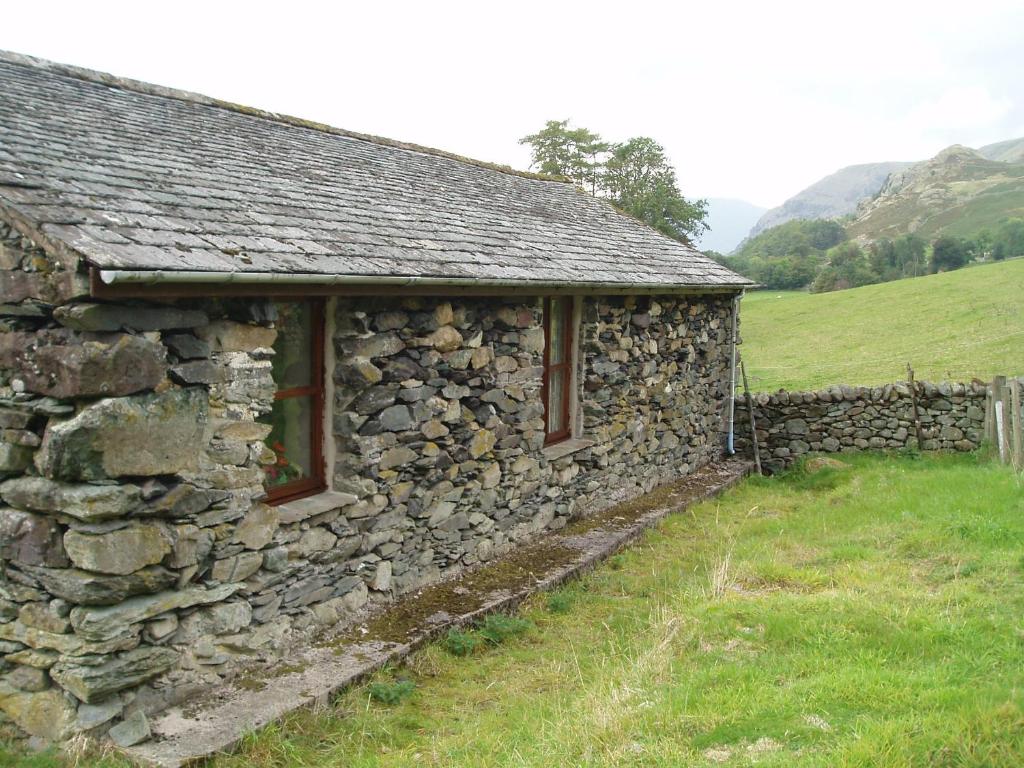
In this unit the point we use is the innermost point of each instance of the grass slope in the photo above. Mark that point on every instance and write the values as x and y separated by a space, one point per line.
952 326
864 616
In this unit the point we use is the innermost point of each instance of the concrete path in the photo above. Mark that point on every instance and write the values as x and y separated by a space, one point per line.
183 736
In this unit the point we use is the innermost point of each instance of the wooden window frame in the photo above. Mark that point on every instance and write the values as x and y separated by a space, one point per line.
566 365
317 481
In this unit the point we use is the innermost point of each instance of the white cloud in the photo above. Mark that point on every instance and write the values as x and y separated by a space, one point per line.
752 100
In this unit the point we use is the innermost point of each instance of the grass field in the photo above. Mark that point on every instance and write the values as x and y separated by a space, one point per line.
867 616
952 326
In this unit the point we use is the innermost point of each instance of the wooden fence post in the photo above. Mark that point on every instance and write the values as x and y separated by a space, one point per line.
989 417
753 423
1015 425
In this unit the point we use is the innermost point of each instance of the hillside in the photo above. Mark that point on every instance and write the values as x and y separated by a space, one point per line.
728 221
840 193
1011 151
954 325
835 195
957 192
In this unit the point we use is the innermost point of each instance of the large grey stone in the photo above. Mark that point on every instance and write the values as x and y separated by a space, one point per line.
397 418
112 317
258 527
91 682
46 714
396 457
197 372
28 539
153 434
445 339
44 616
94 715
375 399
220 619
186 346
88 503
68 645
104 623
191 546
14 458
123 366
131 731
26 678
119 552
229 336
376 345
85 588
184 500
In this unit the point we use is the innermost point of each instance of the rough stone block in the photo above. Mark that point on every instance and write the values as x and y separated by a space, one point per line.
46 714
119 552
105 623
28 539
123 366
88 503
91 683
129 436
85 588
130 731
113 317
258 527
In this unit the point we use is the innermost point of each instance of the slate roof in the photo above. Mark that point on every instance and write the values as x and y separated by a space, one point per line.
138 177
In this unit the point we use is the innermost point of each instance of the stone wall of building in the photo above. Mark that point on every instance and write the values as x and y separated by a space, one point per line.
140 566
843 418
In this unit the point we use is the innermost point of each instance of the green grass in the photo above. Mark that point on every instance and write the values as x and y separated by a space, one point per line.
870 616
952 326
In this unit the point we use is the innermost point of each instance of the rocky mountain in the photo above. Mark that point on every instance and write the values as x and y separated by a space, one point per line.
832 196
960 191
729 221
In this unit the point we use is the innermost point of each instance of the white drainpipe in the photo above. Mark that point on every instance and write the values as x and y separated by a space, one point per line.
730 446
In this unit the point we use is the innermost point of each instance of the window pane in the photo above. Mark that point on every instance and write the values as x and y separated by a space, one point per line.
293 364
290 440
556 400
556 335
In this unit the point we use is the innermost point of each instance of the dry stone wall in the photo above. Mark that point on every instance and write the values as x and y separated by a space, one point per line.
844 418
140 566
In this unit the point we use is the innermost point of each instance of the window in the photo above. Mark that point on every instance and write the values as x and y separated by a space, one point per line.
296 437
558 383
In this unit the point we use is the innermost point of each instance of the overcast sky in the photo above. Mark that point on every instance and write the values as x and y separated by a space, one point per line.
752 101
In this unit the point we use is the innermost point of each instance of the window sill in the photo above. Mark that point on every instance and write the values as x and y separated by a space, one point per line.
565 448
301 509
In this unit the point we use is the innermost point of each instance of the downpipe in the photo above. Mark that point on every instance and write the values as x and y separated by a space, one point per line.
730 445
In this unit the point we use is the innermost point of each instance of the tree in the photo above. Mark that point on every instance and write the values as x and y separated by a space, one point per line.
1008 241
848 267
950 253
576 153
639 179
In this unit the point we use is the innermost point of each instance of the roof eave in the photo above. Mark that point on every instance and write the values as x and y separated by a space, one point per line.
111 283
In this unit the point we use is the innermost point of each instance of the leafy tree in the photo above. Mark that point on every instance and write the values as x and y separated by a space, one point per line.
1008 239
639 179
848 267
950 253
576 153
895 259
788 256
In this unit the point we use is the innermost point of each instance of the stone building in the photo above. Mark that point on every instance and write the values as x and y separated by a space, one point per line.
256 373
